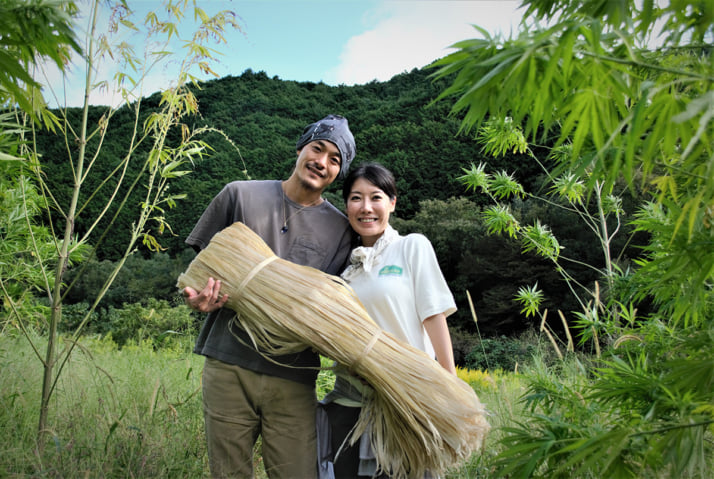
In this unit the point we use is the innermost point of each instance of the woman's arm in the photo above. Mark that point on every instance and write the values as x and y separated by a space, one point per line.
440 338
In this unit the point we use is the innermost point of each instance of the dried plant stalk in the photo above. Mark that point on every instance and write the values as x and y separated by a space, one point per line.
421 417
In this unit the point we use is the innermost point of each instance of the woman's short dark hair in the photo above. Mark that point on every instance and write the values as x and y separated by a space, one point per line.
376 174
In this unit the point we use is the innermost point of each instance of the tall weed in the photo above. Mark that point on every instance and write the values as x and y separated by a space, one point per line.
134 412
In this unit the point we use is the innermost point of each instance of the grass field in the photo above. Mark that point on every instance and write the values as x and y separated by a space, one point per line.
136 412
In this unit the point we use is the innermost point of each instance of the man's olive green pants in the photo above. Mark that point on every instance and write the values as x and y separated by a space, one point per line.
240 404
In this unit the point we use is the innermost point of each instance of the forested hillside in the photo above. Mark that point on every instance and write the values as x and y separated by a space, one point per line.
395 124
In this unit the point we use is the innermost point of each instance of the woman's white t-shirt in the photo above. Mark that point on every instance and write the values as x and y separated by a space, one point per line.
404 287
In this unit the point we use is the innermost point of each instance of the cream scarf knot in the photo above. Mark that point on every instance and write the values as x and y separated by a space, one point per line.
364 257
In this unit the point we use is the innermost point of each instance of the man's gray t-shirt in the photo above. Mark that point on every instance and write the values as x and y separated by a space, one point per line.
317 236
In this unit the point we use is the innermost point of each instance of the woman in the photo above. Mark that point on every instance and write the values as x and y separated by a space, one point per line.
398 280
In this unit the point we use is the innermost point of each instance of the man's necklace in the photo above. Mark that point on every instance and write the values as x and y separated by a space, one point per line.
284 229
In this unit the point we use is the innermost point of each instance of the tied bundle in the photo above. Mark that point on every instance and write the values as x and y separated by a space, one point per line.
420 417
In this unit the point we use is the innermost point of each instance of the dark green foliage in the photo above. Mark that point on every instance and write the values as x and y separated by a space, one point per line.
393 125
74 314
492 267
462 343
140 280
143 303
499 353
264 118
157 322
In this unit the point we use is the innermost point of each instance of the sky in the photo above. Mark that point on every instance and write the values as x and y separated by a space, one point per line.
332 41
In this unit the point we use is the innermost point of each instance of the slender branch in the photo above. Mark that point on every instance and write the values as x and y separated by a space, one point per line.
21 323
674 428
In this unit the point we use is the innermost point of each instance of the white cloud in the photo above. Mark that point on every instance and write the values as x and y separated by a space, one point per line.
412 34
399 35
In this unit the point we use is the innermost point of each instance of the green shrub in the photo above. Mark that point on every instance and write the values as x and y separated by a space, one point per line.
72 316
462 343
139 280
159 322
499 353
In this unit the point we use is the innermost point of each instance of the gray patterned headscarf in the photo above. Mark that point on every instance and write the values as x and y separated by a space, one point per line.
333 128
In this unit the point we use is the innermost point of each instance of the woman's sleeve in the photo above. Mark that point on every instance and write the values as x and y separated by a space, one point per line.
432 293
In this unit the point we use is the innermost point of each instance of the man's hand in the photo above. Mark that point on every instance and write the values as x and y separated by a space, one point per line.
208 299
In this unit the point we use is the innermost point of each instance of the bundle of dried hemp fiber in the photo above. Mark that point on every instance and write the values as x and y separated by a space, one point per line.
420 417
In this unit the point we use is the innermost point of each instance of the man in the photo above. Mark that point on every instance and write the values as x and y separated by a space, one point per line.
244 393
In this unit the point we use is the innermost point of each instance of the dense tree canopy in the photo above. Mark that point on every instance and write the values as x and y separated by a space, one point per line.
262 118
394 123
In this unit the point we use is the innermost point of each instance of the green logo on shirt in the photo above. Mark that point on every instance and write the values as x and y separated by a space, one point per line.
391 270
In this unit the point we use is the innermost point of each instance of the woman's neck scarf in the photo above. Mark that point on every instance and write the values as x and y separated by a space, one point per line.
364 257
